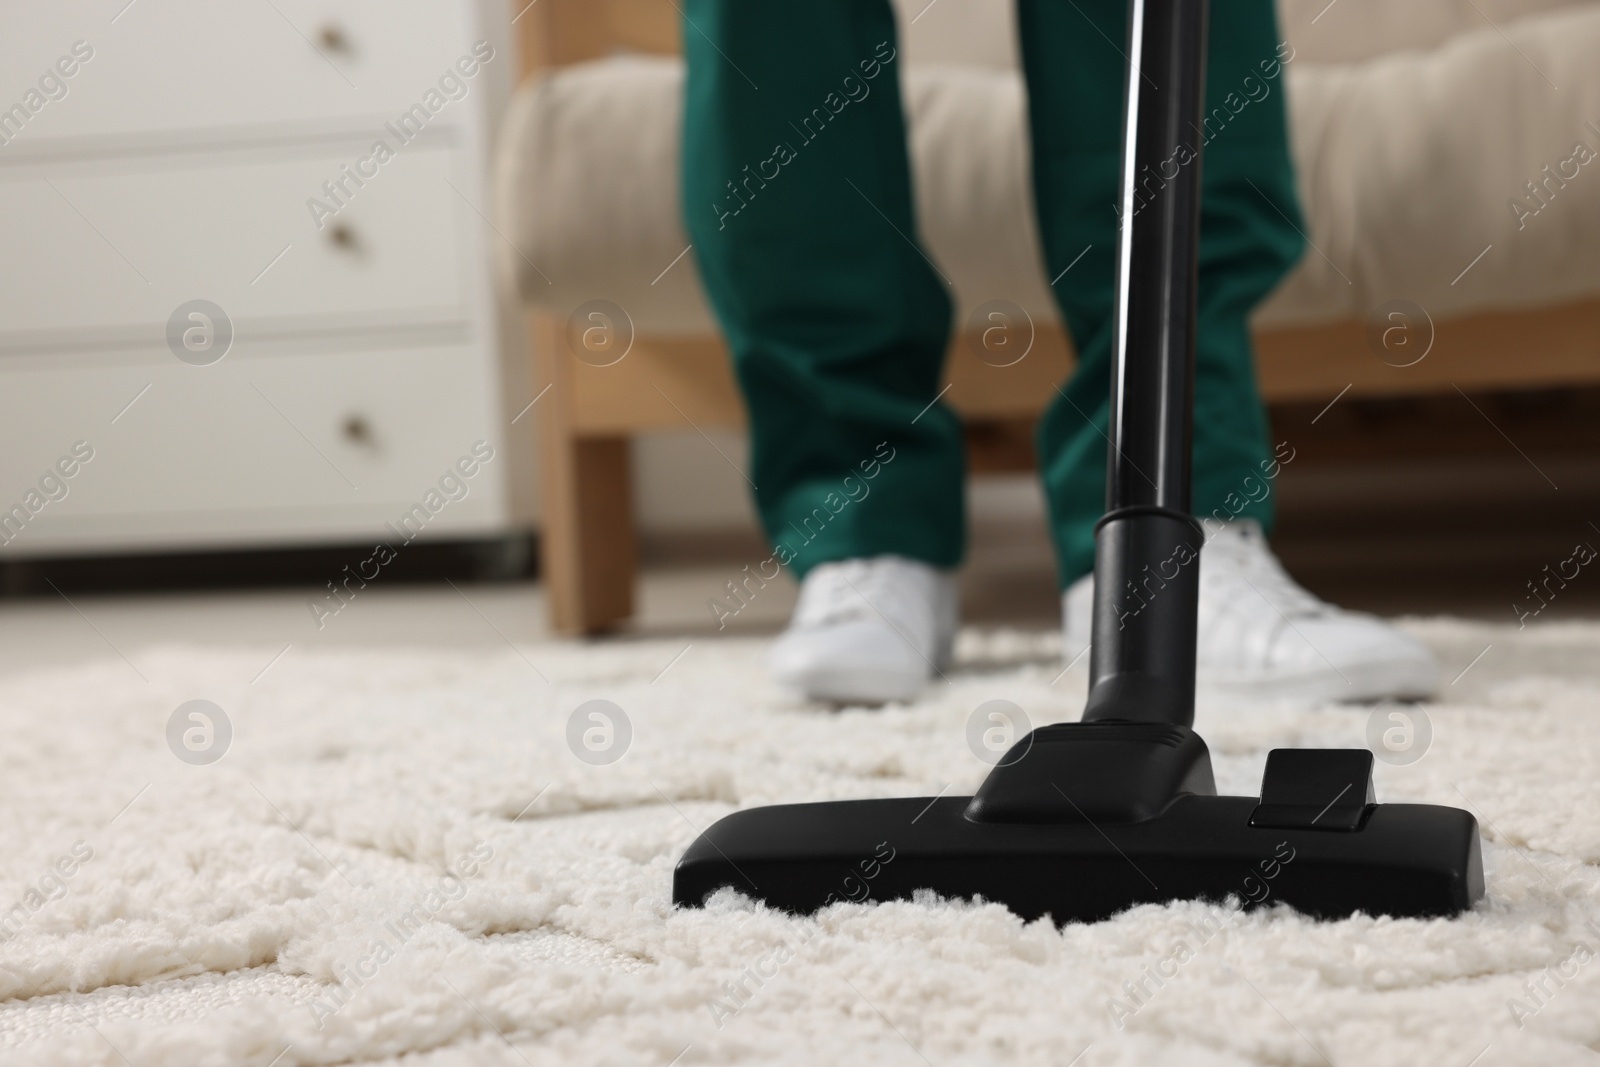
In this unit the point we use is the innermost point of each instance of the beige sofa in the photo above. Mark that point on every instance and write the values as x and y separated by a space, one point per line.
1448 155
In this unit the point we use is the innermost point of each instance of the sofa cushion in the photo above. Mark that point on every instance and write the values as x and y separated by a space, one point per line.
982 32
1409 165
1348 31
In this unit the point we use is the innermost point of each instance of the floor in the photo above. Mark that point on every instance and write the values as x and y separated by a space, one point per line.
43 632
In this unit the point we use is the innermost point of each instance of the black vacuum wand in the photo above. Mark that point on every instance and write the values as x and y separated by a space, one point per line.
1142 662
1082 820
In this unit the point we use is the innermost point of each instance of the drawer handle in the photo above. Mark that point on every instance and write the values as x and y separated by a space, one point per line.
333 38
343 237
357 430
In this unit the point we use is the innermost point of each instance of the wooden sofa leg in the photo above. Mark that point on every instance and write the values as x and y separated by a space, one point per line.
586 542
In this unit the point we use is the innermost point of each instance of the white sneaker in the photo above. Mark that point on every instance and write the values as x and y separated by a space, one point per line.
867 631
1262 636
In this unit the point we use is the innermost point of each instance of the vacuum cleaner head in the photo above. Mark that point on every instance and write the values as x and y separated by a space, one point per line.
1084 820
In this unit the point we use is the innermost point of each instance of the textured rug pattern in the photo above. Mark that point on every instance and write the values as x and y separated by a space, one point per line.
399 856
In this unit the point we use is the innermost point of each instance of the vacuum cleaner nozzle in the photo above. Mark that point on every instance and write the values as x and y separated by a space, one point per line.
1084 820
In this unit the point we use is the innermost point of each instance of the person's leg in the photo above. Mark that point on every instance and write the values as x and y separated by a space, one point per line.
797 194
1249 237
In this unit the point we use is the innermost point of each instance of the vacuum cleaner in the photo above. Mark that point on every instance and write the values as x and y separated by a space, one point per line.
1080 821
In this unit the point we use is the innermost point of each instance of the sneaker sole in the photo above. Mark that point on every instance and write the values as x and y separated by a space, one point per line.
852 687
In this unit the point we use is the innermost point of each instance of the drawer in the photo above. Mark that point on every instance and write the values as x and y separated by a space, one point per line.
252 451
119 249
167 65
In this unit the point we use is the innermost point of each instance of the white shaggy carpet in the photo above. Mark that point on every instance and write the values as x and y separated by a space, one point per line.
415 826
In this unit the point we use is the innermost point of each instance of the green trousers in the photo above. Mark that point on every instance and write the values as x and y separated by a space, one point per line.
798 197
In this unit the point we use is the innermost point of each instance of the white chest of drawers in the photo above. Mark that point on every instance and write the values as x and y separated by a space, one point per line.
159 152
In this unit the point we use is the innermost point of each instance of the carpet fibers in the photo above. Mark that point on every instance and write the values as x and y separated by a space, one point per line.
399 858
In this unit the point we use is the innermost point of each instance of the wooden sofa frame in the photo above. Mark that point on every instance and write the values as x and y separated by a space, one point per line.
588 540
